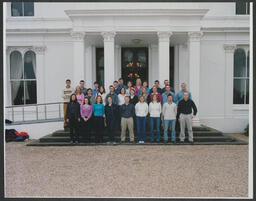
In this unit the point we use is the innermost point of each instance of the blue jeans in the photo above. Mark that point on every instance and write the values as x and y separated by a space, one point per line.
141 125
166 126
155 121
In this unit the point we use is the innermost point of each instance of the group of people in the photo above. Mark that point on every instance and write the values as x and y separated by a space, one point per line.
127 107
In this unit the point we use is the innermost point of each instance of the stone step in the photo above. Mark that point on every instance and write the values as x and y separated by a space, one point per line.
117 133
50 138
38 143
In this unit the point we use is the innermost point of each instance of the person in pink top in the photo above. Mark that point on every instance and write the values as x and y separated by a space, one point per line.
154 89
137 86
79 95
86 119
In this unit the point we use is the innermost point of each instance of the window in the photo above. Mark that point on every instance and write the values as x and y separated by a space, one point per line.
100 65
22 8
241 76
242 8
23 78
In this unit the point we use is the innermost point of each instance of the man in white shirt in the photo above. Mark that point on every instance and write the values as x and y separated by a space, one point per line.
169 113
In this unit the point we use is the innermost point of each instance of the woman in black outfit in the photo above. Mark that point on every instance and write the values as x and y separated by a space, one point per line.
73 117
133 100
111 112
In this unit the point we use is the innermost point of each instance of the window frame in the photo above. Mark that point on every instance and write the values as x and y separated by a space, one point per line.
247 8
23 9
242 106
23 53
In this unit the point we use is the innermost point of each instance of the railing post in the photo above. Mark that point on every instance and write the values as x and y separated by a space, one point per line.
45 112
59 111
23 114
36 112
12 114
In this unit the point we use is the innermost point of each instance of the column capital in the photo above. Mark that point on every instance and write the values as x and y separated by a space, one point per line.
108 35
77 35
229 48
39 49
164 35
195 35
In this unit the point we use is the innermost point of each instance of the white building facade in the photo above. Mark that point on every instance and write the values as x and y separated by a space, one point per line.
205 45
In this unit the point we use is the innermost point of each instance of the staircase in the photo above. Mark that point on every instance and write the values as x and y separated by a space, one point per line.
202 136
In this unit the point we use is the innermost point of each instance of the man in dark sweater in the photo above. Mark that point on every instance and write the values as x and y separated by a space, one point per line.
185 116
127 111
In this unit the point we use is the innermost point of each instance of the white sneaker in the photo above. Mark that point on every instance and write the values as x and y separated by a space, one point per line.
142 142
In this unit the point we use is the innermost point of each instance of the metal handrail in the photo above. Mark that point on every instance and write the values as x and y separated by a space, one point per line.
36 110
28 105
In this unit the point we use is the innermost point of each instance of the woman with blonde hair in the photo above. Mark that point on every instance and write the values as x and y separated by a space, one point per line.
137 86
79 95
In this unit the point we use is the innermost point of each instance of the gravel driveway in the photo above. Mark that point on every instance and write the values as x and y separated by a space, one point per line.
126 171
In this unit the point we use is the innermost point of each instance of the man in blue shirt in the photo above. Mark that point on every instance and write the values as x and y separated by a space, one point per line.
121 84
113 95
179 95
166 93
96 88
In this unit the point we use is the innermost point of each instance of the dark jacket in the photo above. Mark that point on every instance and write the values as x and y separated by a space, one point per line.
111 112
127 111
134 100
76 113
114 98
185 107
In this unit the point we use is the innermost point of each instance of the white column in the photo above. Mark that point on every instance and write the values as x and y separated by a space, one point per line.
194 68
154 64
118 62
176 68
88 67
40 74
229 66
163 55
109 58
78 57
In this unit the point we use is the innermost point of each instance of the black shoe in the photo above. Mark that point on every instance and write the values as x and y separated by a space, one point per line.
174 142
182 142
191 142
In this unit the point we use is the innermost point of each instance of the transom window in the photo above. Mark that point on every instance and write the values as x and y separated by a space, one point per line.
22 8
242 8
241 76
23 78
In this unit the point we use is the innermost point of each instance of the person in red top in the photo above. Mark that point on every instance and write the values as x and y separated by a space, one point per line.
154 91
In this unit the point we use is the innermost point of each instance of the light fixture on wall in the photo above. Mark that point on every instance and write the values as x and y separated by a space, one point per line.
136 41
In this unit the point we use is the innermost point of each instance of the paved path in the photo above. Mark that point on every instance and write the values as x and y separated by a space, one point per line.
127 171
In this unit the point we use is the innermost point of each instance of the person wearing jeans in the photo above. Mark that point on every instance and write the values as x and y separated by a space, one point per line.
169 113
155 112
185 116
141 111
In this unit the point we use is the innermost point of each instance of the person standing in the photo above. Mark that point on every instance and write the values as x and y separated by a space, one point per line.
141 111
86 118
121 84
166 83
179 95
90 96
185 116
133 97
145 86
159 90
83 89
98 113
121 97
169 114
166 93
137 86
96 89
111 113
127 112
155 112
79 95
154 91
66 93
102 93
128 88
73 118
115 85
112 94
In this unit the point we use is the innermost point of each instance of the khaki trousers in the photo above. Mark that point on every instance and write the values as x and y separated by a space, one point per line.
127 122
186 119
65 105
